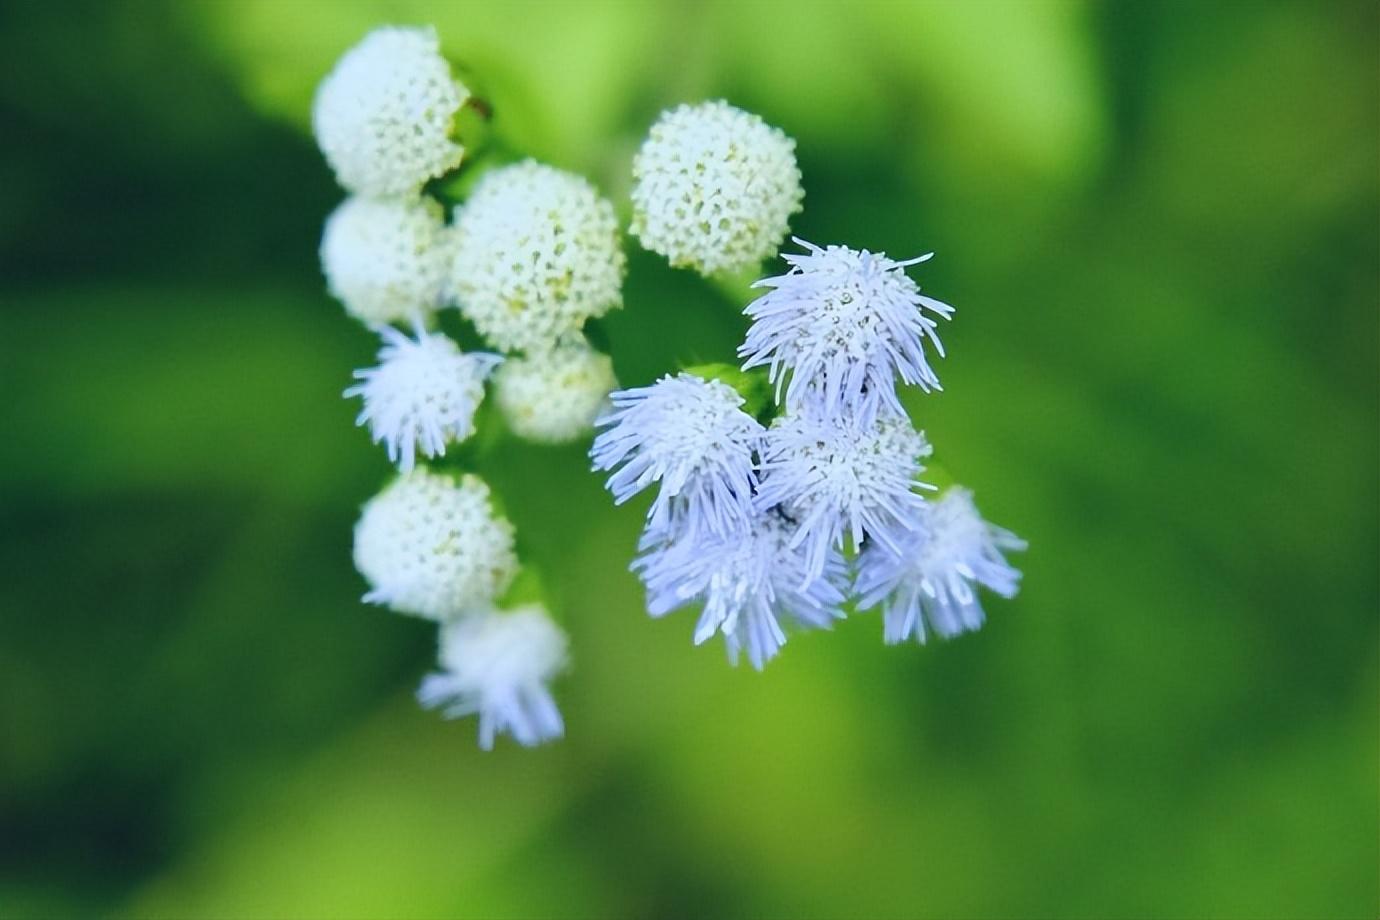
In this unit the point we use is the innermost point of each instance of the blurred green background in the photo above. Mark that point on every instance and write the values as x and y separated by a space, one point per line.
1160 225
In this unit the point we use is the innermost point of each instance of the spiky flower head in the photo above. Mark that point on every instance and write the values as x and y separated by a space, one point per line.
840 477
714 188
929 582
431 545
554 398
843 324
751 582
692 436
499 664
385 260
384 116
537 253
423 394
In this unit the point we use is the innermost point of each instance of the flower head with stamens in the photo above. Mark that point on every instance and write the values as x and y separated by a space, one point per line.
500 664
692 436
431 545
423 394
386 260
930 581
842 478
537 253
383 117
843 324
751 582
714 187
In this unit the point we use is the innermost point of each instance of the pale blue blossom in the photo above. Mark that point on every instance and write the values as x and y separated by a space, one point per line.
930 581
752 584
843 478
692 437
840 327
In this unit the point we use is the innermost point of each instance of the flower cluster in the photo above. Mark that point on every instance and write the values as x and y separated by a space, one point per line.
777 526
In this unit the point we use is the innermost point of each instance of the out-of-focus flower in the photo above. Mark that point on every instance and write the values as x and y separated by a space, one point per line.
537 253
555 397
931 579
384 116
432 546
714 187
386 260
500 664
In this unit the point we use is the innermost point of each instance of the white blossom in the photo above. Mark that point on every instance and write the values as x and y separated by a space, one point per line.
751 583
714 187
499 664
931 579
555 397
386 260
384 116
841 477
691 436
537 253
843 324
431 545
423 394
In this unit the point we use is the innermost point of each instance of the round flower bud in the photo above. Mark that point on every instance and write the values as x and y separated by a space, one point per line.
432 546
555 397
536 254
383 116
385 260
499 664
423 394
714 187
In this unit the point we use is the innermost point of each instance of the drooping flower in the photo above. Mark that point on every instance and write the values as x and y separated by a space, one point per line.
537 253
500 664
431 545
692 436
384 116
423 394
841 477
929 582
714 187
385 260
752 582
554 398
842 325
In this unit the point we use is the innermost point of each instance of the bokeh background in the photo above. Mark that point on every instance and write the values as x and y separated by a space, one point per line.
1160 226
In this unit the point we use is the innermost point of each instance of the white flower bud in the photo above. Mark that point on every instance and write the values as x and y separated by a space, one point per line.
537 253
383 117
422 396
432 546
386 260
555 397
714 187
498 664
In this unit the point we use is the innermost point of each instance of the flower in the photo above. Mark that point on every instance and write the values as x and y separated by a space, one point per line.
537 253
422 395
748 581
690 435
385 260
845 324
432 546
383 116
498 664
714 187
555 397
931 577
837 477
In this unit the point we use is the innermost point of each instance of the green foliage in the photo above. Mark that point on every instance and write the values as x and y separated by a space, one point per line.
1158 225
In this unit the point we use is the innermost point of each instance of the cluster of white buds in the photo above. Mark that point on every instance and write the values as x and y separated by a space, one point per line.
786 487
778 526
